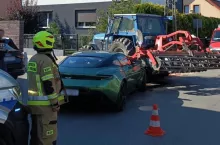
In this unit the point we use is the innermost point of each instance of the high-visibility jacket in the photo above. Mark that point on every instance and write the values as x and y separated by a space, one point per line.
41 68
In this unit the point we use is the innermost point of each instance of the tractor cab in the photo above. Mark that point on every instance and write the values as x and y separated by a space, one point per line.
123 28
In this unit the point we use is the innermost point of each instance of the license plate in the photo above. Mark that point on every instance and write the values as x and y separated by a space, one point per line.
9 59
72 92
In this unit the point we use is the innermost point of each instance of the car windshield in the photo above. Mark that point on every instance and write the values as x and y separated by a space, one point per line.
82 61
216 36
6 81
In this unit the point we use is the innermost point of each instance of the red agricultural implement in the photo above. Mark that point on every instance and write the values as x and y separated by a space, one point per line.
179 54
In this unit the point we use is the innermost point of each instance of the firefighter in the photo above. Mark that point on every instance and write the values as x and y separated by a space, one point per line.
44 90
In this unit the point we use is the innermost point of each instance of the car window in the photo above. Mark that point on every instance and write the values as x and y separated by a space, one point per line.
123 60
82 61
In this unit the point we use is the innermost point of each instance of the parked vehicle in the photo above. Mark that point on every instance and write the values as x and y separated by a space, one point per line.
14 127
215 41
14 60
102 75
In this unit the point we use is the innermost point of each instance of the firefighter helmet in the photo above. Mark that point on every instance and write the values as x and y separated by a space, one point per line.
43 40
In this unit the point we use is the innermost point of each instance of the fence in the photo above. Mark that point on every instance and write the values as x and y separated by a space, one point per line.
64 42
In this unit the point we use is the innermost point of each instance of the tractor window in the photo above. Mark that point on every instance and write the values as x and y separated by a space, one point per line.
127 25
216 36
115 25
149 25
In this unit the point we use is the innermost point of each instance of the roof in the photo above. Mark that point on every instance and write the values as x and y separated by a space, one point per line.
94 53
215 3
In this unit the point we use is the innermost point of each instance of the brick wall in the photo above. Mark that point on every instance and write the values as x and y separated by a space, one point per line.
14 30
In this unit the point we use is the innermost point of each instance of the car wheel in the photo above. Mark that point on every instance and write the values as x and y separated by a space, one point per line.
121 100
142 86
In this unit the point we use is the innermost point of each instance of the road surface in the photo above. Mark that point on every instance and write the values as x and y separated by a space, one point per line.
188 107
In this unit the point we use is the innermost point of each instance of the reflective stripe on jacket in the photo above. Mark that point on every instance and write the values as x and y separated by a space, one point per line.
41 68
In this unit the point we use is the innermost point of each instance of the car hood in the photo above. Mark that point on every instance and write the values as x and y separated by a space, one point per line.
6 81
215 44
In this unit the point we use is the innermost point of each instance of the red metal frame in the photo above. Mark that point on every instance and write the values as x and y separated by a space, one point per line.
162 43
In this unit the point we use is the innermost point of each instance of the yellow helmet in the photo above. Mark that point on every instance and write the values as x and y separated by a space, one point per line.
43 40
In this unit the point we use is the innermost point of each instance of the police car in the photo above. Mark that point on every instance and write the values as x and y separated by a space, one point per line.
14 126
14 59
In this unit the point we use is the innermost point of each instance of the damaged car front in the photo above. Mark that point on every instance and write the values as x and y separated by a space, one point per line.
14 126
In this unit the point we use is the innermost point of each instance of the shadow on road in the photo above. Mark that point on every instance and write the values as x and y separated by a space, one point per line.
188 107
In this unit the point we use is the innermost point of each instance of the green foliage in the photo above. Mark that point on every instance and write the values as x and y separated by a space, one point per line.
122 7
54 28
184 22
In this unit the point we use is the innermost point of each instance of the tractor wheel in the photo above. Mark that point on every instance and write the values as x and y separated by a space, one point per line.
123 45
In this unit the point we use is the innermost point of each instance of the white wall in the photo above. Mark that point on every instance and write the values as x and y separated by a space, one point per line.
57 2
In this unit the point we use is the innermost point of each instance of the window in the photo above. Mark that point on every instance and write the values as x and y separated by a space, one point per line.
186 9
127 25
82 61
150 25
115 25
44 19
86 19
196 9
216 36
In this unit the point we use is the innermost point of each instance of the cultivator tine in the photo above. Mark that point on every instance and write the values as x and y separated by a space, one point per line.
183 63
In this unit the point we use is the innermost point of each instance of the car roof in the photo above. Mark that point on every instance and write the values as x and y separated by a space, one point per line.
103 54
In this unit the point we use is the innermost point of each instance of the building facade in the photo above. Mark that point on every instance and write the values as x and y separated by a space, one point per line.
208 8
74 16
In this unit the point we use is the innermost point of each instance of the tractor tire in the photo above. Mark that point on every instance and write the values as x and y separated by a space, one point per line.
123 45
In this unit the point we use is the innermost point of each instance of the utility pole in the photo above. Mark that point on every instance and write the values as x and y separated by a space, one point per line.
170 5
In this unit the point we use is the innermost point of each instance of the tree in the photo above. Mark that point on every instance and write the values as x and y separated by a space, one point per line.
26 11
54 28
117 7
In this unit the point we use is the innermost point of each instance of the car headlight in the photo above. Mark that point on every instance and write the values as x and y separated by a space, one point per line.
10 94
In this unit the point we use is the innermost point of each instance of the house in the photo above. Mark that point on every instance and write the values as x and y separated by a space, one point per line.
4 6
74 16
179 3
208 8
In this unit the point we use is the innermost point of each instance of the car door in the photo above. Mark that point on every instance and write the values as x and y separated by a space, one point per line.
137 70
128 70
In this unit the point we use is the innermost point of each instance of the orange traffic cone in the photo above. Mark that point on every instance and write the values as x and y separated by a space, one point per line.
154 128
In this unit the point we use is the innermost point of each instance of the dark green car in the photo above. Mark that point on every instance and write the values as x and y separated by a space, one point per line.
103 75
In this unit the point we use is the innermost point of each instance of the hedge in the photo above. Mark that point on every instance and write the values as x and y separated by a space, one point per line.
184 21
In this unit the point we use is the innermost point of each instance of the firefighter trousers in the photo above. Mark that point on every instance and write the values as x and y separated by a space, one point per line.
44 129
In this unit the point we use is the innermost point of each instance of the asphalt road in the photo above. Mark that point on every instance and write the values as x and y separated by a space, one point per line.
188 107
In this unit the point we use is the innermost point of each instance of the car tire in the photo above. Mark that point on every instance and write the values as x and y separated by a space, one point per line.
142 86
121 100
